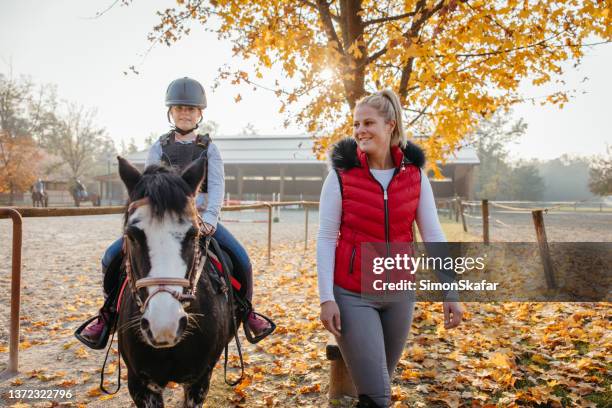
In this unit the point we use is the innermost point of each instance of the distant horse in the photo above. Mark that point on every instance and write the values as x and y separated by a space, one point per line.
84 196
40 199
174 318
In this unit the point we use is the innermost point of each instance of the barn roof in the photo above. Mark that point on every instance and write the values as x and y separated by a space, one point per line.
271 149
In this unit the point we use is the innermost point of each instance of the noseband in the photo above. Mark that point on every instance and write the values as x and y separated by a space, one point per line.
189 284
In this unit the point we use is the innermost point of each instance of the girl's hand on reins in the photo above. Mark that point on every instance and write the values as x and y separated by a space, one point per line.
208 229
330 317
453 313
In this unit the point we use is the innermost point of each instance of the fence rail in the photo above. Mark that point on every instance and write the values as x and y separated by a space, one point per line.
17 213
454 206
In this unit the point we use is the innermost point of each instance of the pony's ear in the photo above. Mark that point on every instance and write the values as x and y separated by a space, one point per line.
194 174
128 173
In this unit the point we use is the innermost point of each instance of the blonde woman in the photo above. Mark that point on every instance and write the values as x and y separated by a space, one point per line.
374 193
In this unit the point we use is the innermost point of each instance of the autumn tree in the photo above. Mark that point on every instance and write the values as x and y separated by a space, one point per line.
129 148
600 174
77 140
491 140
453 62
524 182
249 130
27 114
498 177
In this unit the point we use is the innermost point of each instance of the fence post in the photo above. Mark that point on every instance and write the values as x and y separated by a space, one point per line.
538 222
460 204
269 231
12 368
305 227
485 221
456 202
340 381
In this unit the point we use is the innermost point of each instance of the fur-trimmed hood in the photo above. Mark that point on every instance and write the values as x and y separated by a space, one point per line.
344 154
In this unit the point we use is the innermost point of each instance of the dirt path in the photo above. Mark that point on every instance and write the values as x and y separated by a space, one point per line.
502 354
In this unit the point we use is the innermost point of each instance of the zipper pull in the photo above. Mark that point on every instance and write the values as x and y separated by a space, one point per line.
385 195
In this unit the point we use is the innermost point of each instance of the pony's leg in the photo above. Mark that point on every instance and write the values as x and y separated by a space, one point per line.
143 395
195 393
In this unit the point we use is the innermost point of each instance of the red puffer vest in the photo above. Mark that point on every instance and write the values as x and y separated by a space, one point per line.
368 214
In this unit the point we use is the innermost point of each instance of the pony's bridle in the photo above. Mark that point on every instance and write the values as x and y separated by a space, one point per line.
189 283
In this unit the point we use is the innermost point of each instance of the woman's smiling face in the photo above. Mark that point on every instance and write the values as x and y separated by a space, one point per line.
371 131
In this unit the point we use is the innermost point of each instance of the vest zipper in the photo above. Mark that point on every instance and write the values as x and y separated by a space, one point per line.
352 260
386 200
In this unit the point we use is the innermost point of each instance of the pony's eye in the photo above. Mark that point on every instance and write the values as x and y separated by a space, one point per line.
132 233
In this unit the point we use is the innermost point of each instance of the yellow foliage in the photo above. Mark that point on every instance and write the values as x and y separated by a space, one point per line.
457 62
19 158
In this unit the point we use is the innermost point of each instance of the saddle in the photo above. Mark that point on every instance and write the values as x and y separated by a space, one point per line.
218 258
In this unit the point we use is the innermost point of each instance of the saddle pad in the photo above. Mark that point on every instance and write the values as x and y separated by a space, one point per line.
215 260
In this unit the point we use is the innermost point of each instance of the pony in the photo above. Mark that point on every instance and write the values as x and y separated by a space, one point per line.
174 318
40 199
78 198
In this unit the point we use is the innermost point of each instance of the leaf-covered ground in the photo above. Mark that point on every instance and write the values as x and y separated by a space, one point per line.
504 354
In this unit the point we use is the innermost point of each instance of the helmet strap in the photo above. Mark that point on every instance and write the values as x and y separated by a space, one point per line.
184 132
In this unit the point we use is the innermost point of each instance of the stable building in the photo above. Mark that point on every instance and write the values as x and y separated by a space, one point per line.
261 167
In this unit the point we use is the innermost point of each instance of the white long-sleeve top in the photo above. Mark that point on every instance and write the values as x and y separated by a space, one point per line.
330 213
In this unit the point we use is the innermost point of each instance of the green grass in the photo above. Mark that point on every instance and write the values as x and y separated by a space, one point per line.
603 399
581 346
562 392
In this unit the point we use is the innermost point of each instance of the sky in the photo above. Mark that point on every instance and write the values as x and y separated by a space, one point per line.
61 43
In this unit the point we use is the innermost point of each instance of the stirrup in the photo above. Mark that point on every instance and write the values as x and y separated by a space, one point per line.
102 340
249 334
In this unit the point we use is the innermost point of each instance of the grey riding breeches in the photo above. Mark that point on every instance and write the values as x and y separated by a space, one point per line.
374 334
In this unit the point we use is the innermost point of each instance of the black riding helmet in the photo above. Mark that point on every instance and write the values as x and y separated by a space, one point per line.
187 92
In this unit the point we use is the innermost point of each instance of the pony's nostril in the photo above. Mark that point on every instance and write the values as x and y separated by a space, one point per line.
144 324
182 324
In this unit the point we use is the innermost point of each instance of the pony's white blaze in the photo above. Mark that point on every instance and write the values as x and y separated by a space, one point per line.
164 240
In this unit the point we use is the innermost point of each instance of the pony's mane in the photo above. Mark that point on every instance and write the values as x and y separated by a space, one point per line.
166 191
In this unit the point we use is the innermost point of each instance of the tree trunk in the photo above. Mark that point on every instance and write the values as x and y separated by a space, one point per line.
353 29
12 194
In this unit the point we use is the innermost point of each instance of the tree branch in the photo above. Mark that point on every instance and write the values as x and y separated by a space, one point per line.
390 18
315 7
405 78
376 55
421 113
328 25
414 29
538 44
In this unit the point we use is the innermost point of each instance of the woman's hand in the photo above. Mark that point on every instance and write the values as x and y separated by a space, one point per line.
453 313
330 316
208 229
